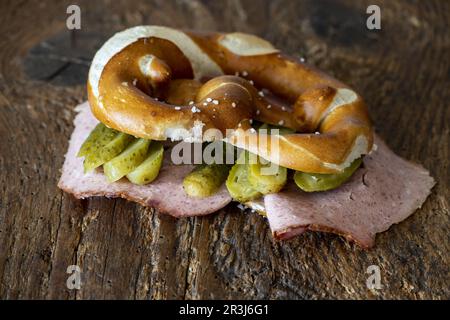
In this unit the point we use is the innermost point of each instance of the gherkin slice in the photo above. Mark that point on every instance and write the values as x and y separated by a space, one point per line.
267 178
128 160
311 182
237 182
107 152
271 129
205 180
100 136
148 170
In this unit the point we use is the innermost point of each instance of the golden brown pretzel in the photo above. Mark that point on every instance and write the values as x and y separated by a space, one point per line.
138 84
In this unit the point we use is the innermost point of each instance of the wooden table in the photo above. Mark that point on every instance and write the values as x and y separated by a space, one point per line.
127 251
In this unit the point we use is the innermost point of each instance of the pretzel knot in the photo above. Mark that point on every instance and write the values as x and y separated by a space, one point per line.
159 83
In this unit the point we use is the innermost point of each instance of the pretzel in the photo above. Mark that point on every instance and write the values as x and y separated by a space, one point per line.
161 83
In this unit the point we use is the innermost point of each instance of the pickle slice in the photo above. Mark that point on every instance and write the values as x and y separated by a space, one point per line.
266 179
100 136
148 170
271 127
237 182
107 152
128 160
311 182
205 180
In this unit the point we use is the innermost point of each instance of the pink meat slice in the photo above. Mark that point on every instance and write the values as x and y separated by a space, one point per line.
385 191
165 193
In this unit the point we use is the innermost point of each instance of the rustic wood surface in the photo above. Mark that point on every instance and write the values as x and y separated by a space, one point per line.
127 251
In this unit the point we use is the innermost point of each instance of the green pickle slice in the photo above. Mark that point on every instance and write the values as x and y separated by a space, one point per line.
271 127
100 136
263 180
107 152
237 182
148 170
205 180
128 160
311 182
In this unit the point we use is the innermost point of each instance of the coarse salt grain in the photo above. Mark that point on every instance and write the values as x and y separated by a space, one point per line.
216 102
208 99
261 93
191 103
244 73
281 122
269 106
233 104
195 109
135 81
177 108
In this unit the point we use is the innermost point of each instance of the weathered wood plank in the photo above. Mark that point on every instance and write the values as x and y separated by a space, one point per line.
126 251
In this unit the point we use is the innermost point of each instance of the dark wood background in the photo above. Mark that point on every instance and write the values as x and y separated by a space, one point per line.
127 251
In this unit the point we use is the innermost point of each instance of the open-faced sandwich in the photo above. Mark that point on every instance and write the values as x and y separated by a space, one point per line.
187 122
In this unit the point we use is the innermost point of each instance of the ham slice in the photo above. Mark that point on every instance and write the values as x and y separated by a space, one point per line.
165 193
385 191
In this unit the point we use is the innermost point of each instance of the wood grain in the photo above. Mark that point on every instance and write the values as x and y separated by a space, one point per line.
126 251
